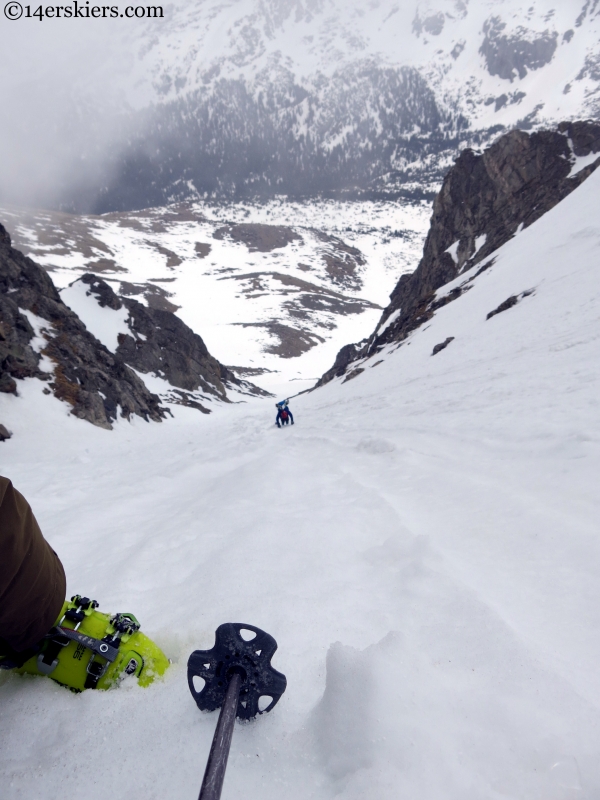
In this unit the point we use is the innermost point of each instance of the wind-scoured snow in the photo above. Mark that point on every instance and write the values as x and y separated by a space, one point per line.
423 544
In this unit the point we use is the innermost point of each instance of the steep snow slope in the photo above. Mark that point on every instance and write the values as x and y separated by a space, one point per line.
274 300
423 544
484 201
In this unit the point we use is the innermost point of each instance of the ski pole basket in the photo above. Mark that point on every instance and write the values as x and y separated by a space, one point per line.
236 675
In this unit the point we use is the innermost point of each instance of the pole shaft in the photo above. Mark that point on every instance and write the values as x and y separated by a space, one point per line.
212 783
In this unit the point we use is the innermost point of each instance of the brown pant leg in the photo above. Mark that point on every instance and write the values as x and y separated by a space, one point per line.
32 579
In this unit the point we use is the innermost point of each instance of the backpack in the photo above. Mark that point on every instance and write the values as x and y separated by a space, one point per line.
284 414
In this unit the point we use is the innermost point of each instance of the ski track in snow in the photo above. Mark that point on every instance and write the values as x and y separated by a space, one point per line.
423 545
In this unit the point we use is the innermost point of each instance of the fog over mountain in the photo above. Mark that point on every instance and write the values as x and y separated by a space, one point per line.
259 97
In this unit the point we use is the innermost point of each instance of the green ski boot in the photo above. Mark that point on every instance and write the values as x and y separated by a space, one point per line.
87 649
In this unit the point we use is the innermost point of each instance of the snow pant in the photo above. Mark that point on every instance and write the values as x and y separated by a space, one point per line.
32 579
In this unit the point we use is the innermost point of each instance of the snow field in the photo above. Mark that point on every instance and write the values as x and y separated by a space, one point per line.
423 545
104 323
226 310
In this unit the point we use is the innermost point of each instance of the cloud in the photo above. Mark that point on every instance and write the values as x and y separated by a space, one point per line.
62 100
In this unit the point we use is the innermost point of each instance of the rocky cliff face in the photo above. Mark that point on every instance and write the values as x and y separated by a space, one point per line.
484 200
156 341
41 337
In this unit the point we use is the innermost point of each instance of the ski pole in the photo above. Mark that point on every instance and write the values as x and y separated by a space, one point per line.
236 674
216 765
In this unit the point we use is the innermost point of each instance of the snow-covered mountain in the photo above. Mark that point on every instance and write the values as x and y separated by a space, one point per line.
468 53
484 201
252 97
273 289
423 544
86 351
271 294
291 96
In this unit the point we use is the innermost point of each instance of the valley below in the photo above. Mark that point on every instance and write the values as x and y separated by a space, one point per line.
273 288
422 544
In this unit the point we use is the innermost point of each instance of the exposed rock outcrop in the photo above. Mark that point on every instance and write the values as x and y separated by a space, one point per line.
257 237
160 343
484 200
343 261
442 345
41 337
515 55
